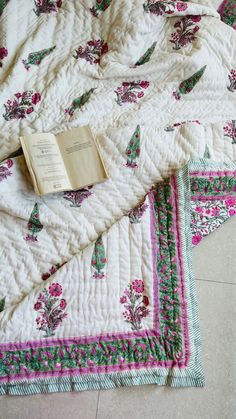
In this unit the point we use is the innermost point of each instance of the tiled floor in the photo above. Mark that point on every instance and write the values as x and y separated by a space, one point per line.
215 270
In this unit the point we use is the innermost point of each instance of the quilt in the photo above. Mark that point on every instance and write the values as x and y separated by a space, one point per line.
122 311
96 285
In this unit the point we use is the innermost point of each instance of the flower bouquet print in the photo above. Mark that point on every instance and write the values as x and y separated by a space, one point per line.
135 304
21 105
50 308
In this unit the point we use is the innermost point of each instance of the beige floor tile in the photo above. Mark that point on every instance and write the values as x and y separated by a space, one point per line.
50 406
218 399
214 258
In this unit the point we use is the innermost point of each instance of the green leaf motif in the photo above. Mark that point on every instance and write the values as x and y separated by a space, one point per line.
79 102
3 4
187 85
100 6
2 304
133 148
98 261
35 58
147 55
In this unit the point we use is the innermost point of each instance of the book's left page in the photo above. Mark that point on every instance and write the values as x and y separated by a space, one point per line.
45 163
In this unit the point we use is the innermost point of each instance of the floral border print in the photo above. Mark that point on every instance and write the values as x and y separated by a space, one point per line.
131 92
35 58
168 7
185 31
34 225
135 304
92 52
100 7
207 216
21 105
50 307
98 261
4 169
187 85
46 6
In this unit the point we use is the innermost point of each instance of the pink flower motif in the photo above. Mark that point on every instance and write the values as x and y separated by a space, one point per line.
18 95
55 290
123 300
231 212
195 18
3 53
230 202
145 300
63 304
57 365
196 239
215 211
181 7
36 98
37 306
144 84
138 285
140 94
198 209
29 110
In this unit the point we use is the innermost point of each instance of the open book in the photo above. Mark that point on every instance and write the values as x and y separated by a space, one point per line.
63 162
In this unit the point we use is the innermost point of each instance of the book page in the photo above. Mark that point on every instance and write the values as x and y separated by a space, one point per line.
81 157
45 163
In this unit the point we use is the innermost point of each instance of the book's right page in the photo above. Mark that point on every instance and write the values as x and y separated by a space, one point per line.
81 157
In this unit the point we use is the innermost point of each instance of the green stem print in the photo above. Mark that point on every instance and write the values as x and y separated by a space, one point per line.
146 56
133 149
98 259
79 102
34 225
2 304
35 58
100 6
187 85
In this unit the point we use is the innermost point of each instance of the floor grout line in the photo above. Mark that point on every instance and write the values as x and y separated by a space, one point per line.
217 282
97 404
